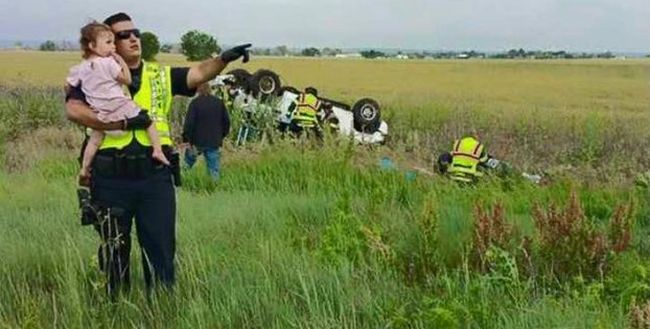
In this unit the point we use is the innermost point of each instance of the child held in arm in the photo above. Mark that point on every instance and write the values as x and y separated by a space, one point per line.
101 75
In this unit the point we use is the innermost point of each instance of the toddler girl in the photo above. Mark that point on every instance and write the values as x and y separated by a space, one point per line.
101 75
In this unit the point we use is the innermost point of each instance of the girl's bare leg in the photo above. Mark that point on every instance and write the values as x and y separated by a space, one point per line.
157 148
95 140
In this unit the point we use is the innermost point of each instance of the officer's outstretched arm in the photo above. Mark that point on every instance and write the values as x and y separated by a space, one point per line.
210 68
204 71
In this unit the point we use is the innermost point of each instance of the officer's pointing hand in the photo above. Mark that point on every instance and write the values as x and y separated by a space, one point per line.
236 52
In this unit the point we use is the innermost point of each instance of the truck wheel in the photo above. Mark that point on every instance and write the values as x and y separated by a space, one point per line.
242 78
265 83
367 115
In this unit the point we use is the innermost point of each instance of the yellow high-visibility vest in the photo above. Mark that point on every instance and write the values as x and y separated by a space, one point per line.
305 114
466 156
155 97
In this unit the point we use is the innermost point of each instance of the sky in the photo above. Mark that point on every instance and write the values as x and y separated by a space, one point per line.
574 25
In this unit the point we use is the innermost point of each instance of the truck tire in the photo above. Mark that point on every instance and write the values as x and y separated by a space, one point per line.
265 83
367 115
242 78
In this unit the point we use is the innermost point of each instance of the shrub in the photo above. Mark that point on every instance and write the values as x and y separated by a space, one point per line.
564 245
569 244
490 230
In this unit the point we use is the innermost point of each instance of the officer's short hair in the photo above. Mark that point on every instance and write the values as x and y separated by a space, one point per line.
311 90
116 18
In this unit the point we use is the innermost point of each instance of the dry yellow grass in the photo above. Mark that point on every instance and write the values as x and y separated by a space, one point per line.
609 86
508 89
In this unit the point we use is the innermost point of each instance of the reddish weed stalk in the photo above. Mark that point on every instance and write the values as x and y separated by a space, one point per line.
565 243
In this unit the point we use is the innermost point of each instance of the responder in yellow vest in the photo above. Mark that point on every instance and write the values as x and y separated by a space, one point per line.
304 113
466 161
126 182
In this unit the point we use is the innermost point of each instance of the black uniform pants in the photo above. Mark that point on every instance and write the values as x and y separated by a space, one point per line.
151 200
444 161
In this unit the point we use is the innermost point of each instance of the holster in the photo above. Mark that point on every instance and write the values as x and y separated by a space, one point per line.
175 166
89 212
93 213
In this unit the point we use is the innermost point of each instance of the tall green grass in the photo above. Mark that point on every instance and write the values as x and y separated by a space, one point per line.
338 245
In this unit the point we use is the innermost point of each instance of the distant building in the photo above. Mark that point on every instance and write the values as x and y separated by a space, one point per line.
350 55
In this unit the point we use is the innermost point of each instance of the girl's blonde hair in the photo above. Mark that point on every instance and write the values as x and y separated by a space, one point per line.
89 34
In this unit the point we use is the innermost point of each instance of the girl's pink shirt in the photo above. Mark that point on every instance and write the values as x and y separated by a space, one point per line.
98 79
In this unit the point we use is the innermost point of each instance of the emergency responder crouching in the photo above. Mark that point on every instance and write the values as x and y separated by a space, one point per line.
304 113
467 160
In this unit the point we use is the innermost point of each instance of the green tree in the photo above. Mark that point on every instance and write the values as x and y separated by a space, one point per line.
166 48
310 52
150 46
331 51
197 45
261 51
281 50
372 54
607 54
48 45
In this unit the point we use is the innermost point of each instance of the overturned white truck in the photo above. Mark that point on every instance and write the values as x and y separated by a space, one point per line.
264 90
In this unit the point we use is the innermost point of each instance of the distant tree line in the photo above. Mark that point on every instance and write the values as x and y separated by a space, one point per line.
197 45
285 51
510 54
50 45
539 54
372 54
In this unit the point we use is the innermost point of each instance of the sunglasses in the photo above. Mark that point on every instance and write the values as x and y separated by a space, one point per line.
123 35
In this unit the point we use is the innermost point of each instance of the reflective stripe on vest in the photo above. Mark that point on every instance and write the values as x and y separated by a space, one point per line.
466 156
155 97
306 110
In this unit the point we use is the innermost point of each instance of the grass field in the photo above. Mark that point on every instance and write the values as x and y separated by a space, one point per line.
510 86
348 244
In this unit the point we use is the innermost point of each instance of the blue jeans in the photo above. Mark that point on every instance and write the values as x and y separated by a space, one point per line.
212 158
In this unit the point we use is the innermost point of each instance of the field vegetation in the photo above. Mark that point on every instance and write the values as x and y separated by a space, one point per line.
301 236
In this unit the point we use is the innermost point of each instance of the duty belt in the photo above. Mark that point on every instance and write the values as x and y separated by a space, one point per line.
120 165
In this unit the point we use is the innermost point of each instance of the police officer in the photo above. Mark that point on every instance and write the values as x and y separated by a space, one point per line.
125 181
